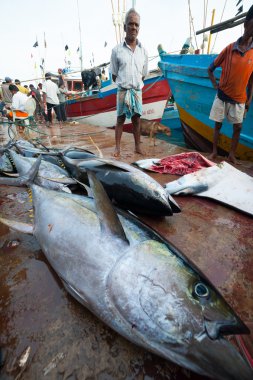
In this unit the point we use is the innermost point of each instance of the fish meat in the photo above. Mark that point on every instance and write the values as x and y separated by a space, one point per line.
135 281
221 182
126 185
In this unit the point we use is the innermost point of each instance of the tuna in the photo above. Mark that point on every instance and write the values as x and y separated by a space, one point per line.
136 282
126 185
49 175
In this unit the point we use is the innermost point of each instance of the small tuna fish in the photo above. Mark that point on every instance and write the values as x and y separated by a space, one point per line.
49 175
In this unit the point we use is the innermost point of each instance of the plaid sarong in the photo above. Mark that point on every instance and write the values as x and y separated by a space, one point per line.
129 102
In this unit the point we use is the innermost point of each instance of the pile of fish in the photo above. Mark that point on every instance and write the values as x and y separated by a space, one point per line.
127 274
126 186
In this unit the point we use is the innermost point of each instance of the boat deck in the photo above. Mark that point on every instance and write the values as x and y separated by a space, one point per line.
66 340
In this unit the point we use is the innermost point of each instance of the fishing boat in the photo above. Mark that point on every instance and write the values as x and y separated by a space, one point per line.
99 106
194 94
170 116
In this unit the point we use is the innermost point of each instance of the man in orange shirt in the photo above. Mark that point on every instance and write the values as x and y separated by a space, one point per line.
235 90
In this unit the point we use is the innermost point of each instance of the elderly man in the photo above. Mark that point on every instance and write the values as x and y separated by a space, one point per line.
129 66
51 100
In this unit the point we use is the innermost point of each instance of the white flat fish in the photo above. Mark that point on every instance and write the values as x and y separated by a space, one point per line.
221 182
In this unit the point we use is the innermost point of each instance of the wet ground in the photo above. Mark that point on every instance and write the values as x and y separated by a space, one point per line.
63 340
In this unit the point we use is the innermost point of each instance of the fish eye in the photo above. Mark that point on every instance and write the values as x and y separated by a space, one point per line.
200 290
156 194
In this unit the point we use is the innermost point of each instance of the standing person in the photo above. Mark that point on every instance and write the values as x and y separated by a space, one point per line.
61 77
6 93
235 90
21 88
129 66
51 100
39 88
39 104
62 99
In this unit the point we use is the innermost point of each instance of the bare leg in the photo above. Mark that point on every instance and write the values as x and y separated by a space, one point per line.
137 132
216 135
235 140
118 134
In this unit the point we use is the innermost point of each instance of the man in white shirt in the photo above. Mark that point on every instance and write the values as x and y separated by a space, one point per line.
23 105
19 103
50 99
129 66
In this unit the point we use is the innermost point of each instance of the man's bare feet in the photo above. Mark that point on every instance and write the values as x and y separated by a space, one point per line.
116 153
231 158
139 151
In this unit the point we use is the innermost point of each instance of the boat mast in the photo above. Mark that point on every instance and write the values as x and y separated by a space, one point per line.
210 35
80 36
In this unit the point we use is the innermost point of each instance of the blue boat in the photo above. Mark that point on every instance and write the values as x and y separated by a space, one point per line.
171 117
194 94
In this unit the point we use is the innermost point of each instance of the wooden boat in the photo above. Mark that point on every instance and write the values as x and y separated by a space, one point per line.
99 107
194 94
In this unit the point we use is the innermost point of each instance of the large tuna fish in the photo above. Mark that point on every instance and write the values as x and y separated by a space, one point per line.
49 175
129 187
136 282
52 155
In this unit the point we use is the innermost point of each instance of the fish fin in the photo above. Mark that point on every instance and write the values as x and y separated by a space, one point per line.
109 220
64 181
181 189
87 188
18 226
15 175
26 179
173 204
106 164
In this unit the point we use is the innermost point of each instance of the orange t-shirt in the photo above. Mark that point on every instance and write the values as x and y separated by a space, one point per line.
237 68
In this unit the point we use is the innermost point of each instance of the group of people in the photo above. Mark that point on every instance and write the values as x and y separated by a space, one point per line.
234 91
129 66
45 98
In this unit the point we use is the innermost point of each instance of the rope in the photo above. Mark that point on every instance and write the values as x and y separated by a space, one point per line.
220 21
10 130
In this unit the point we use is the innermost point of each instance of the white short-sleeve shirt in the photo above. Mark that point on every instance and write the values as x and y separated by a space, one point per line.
129 66
51 90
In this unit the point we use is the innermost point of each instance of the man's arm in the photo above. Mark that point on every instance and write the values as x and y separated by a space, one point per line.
210 71
145 66
114 65
15 103
218 63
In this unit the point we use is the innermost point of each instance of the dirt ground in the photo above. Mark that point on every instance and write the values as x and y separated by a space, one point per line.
61 338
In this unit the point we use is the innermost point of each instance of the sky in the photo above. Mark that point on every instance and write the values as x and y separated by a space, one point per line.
163 22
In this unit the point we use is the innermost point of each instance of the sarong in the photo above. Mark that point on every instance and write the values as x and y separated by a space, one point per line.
129 102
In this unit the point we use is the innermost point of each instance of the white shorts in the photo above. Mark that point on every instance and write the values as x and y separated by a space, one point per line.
232 112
